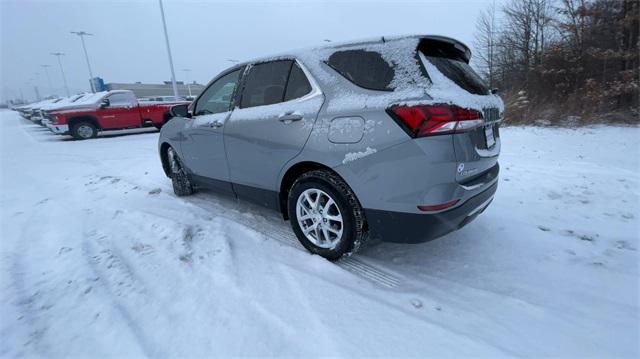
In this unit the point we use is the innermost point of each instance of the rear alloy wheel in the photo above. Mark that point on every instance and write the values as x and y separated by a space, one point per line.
319 218
84 130
179 179
325 215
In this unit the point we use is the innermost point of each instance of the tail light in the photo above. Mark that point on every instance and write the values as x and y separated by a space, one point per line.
429 120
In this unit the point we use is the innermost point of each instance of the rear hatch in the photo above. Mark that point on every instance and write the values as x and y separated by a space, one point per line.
454 82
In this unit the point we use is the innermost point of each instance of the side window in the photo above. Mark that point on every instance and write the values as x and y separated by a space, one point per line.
265 84
298 84
120 100
364 68
217 98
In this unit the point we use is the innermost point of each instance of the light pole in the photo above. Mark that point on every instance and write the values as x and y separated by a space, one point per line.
64 79
34 83
186 72
166 38
46 72
82 34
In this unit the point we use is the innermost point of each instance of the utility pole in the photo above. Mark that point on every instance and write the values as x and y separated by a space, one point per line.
82 34
46 72
166 38
186 71
64 79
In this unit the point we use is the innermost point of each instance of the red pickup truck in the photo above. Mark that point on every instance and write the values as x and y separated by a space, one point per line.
109 110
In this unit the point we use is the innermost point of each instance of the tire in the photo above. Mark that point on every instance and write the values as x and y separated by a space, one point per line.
181 184
322 187
84 130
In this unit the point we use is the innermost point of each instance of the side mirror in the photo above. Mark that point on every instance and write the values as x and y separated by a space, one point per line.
494 91
105 103
180 111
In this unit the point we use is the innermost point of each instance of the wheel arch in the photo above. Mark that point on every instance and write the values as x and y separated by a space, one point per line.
290 176
166 167
84 118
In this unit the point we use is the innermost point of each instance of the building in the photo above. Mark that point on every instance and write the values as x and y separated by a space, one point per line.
164 89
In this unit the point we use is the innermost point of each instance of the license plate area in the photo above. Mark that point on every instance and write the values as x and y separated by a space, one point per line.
489 137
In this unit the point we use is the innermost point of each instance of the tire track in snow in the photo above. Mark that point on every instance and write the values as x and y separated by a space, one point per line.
271 225
91 254
271 228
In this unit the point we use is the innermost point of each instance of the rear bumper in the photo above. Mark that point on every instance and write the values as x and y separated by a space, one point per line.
417 228
58 129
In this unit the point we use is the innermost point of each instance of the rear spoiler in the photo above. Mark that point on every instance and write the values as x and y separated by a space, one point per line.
458 45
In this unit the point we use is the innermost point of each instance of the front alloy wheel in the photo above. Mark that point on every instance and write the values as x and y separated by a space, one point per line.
84 130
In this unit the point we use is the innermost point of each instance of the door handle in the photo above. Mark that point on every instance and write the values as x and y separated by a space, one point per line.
215 124
290 117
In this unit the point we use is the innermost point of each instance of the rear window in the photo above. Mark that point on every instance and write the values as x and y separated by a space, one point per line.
451 62
366 69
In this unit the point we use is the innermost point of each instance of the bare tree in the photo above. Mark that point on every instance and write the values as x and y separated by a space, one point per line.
485 42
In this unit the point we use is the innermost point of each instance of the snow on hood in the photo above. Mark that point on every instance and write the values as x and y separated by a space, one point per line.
65 102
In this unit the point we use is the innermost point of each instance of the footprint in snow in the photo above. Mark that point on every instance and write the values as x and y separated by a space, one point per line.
155 191
544 229
554 195
416 303
625 245
64 250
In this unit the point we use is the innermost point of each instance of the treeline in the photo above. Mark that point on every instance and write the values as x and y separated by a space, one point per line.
562 61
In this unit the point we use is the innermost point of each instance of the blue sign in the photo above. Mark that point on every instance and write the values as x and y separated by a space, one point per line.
97 83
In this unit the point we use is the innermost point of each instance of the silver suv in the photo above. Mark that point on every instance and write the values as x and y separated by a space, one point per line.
392 138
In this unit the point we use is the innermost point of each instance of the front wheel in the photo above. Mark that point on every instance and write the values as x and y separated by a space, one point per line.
179 179
84 130
326 215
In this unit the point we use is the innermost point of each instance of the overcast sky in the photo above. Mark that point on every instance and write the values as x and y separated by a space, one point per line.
129 46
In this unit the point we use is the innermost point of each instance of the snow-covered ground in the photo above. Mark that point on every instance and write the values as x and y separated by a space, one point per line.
98 257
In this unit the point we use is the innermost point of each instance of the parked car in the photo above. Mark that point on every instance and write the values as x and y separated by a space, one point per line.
104 111
163 99
392 138
28 111
67 102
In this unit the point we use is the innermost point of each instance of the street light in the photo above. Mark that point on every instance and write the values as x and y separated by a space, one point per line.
46 71
166 38
82 34
64 79
186 71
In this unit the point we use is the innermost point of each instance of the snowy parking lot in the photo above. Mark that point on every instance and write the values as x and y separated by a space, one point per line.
98 257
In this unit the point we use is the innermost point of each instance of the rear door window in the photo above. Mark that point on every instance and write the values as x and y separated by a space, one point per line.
366 69
265 84
451 62
298 84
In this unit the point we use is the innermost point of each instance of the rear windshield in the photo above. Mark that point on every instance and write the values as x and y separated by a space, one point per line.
366 69
450 61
